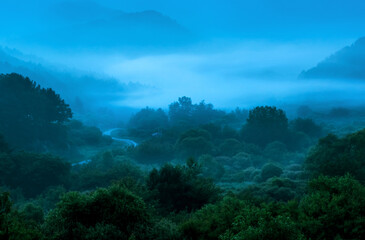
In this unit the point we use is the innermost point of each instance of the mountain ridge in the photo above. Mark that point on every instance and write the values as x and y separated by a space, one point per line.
347 63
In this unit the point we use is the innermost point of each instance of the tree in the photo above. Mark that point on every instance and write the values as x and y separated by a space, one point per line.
186 114
263 222
194 143
3 145
147 121
270 170
265 125
180 188
13 225
307 126
335 156
107 213
32 172
29 113
333 209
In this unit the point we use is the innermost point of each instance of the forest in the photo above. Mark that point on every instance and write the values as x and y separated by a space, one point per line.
188 171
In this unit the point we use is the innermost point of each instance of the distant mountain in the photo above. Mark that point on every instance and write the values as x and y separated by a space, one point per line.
85 93
348 63
86 24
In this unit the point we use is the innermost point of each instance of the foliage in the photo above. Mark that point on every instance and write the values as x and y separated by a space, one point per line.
80 135
275 189
14 226
210 167
265 125
186 114
275 151
29 113
212 220
263 222
270 170
334 209
307 126
3 145
147 122
91 176
335 156
180 188
194 143
111 213
230 147
154 151
32 172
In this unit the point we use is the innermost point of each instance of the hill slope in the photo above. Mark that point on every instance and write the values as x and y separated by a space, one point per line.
86 24
348 63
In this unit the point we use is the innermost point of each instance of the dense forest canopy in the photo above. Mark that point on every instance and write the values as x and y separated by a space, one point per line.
197 172
182 120
30 113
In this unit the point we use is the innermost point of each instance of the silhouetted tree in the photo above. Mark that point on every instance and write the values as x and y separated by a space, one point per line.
265 125
29 113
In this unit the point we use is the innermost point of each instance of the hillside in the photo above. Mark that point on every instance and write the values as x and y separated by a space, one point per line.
94 96
347 63
86 24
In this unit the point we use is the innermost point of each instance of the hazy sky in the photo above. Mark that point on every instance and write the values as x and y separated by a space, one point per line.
261 18
251 52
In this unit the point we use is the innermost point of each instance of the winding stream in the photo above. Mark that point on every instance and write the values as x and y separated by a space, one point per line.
125 140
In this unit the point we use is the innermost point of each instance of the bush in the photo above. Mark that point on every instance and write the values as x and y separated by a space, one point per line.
180 188
270 170
334 209
194 143
230 147
147 121
212 220
275 151
33 172
307 126
154 151
263 222
91 177
111 213
242 160
335 156
211 168
13 225
265 125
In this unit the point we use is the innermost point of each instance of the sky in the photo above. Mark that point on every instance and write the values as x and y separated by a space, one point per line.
280 19
246 53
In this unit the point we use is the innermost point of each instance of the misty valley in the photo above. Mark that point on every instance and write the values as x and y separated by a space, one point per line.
160 122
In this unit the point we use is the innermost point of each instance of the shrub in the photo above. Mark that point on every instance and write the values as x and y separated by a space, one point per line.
270 170
265 125
111 213
154 151
194 143
212 220
335 156
230 147
334 209
307 126
180 188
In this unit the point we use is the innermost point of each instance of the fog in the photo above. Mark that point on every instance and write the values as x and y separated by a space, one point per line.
233 60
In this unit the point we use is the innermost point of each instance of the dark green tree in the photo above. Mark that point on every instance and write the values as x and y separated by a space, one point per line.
335 156
32 172
29 113
334 209
180 188
265 125
147 121
194 143
111 213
